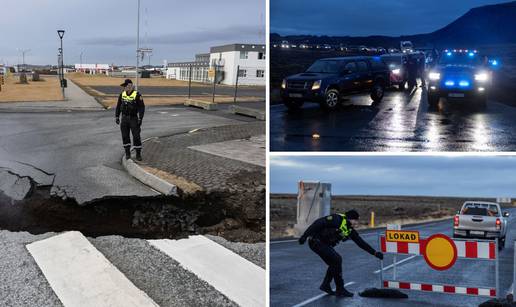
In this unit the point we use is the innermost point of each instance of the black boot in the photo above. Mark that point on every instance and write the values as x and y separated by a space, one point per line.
326 284
127 153
339 283
138 154
343 293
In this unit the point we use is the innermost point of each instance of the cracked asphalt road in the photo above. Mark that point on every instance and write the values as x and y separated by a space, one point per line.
296 272
79 152
399 123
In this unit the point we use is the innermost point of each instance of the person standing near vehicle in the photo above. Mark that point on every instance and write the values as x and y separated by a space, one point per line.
421 60
130 105
323 235
412 72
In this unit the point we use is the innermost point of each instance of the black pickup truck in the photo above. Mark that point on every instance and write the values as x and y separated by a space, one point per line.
328 80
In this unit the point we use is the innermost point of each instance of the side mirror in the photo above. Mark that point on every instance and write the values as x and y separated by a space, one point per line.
506 214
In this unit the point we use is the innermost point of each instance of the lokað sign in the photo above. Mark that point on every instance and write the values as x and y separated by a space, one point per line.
407 236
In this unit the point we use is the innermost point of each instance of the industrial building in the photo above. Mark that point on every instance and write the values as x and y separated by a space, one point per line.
247 61
93 68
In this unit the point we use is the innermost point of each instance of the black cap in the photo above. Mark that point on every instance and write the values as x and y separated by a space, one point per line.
352 215
127 81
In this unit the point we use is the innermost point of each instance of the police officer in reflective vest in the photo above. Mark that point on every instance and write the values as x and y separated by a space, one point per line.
323 235
130 105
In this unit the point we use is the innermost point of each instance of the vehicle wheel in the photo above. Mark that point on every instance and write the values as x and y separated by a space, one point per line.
377 93
293 104
331 99
481 102
401 87
501 243
433 100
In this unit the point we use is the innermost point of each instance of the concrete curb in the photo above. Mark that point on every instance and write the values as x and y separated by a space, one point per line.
236 109
210 106
148 179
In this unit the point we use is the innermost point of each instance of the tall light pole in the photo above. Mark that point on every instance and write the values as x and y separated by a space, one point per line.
23 52
137 43
63 82
81 60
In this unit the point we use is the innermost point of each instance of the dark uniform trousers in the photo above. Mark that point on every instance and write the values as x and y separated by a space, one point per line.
129 125
331 258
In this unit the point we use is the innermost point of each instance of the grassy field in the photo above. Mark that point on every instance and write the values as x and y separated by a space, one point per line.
387 209
45 90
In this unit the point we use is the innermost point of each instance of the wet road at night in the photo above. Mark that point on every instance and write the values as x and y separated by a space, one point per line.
401 122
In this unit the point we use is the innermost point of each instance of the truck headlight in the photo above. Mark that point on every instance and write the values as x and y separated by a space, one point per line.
316 85
482 77
434 75
396 71
284 84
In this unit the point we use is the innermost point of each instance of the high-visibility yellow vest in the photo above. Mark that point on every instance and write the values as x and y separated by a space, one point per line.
344 230
129 98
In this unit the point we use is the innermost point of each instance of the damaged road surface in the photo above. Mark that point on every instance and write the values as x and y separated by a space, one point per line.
44 236
82 150
62 185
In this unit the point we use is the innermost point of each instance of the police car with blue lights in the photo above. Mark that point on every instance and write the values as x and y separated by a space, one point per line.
460 74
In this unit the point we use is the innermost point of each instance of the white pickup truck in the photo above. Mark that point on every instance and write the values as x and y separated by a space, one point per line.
481 220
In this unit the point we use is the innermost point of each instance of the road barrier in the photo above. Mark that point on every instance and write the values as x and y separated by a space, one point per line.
440 253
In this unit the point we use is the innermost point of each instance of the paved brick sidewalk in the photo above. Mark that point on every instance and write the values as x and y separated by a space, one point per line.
210 172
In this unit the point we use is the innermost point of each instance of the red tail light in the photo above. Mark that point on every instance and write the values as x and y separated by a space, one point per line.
498 224
456 221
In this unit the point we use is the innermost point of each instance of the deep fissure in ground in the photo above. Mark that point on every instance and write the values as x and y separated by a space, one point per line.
233 215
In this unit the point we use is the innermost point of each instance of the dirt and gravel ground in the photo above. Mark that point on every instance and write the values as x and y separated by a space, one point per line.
100 86
47 89
387 209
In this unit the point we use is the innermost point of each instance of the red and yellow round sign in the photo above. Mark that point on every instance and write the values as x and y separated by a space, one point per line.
440 252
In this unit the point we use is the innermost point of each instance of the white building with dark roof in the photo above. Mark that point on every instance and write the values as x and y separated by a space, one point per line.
245 61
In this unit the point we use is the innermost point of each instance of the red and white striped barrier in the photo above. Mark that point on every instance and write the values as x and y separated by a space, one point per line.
465 249
489 292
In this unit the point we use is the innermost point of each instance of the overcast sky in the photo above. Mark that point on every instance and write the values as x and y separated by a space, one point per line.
399 175
105 31
366 17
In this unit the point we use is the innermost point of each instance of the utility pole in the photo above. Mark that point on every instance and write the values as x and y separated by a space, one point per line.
81 60
137 43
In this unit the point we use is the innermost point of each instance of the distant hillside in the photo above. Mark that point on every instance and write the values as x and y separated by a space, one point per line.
490 24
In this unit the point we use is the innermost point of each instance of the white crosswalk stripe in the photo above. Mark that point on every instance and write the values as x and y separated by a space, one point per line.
239 279
81 276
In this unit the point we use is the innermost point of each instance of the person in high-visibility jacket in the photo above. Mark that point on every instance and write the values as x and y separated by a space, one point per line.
323 235
130 105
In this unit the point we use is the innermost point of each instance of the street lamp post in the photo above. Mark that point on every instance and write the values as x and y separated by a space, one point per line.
63 82
137 43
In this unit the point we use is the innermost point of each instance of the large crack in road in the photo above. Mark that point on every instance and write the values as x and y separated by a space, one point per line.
233 215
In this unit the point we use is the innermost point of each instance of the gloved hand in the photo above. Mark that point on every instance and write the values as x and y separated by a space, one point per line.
302 240
379 255
117 120
140 122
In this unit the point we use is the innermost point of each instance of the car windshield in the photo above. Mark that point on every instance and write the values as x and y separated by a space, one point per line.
460 59
324 66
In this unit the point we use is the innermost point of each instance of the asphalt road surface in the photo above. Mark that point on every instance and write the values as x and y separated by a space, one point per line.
83 150
296 272
243 91
401 122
